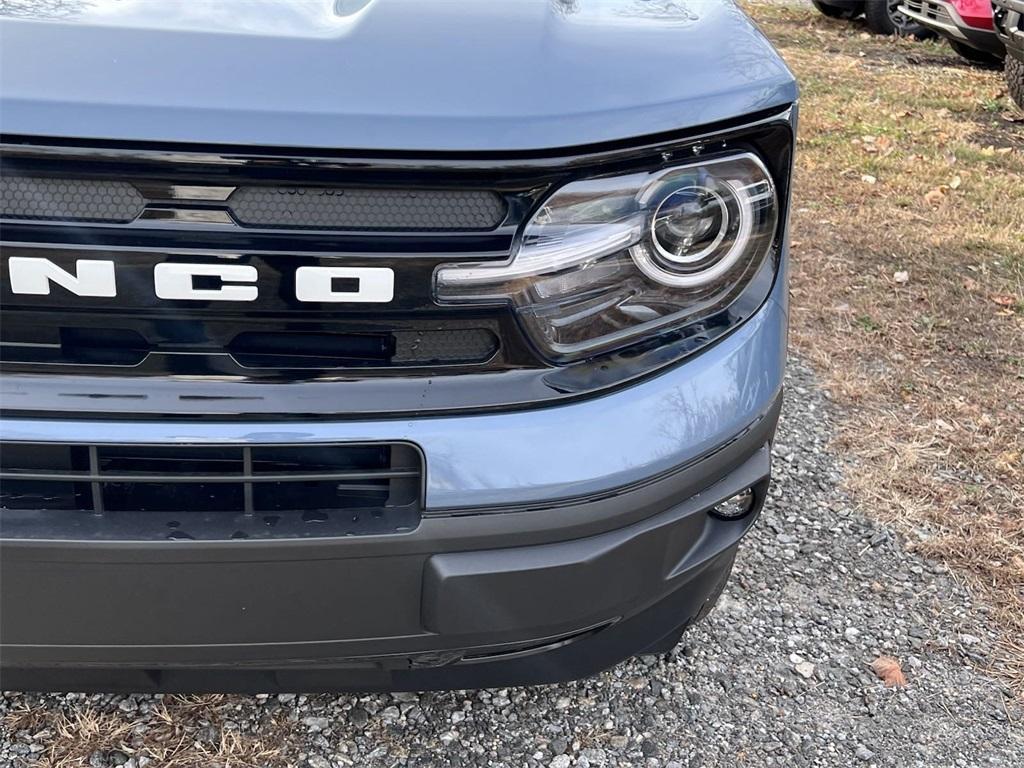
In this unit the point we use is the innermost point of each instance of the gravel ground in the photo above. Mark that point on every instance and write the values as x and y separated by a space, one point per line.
777 675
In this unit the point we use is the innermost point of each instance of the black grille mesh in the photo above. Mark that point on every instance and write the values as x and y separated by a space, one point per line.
275 207
472 345
367 209
36 197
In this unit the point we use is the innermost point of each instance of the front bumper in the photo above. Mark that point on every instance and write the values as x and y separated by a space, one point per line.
943 18
554 543
1010 26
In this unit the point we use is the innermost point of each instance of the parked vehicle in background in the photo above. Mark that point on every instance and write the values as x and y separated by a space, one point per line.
1009 25
883 17
966 24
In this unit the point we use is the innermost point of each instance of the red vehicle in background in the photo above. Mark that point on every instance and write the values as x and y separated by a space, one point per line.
966 24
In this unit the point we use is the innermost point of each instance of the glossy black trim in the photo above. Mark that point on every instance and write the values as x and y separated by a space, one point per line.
413 160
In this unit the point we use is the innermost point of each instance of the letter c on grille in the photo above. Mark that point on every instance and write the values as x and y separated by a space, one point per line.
367 285
175 281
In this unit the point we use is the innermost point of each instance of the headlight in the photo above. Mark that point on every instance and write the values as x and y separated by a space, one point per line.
608 261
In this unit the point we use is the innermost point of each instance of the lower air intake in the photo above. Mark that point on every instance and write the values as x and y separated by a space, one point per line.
140 492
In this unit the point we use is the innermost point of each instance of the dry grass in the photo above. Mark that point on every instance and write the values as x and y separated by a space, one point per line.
178 732
911 162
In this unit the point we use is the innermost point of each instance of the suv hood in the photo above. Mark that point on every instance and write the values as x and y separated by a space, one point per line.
447 75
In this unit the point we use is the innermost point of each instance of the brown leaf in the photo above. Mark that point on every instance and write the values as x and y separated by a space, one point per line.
889 672
935 197
1004 299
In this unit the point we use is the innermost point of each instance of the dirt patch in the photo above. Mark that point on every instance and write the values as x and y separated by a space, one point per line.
908 289
999 131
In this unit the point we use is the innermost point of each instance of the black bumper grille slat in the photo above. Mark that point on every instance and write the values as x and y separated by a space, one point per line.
161 492
94 486
241 478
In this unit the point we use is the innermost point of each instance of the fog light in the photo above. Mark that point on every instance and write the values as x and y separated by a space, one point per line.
736 506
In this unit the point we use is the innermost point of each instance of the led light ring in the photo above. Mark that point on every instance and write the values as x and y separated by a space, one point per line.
644 261
701 255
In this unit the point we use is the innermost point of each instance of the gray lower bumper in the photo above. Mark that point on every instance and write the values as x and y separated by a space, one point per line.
464 601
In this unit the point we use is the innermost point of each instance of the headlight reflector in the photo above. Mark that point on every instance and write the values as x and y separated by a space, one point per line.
607 261
689 224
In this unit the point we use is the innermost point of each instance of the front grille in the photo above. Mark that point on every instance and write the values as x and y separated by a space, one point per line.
142 492
134 211
930 10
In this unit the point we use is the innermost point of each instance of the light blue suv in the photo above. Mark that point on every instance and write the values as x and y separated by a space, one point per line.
381 344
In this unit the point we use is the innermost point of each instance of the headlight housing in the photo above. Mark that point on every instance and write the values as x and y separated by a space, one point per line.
608 261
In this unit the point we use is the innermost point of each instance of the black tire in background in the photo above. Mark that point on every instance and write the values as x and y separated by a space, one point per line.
884 18
837 12
1015 79
973 55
